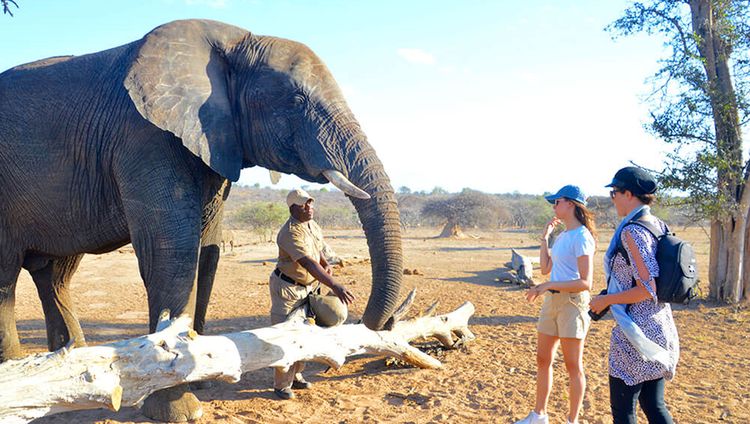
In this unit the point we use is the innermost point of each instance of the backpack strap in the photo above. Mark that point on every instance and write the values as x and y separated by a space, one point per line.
655 231
638 220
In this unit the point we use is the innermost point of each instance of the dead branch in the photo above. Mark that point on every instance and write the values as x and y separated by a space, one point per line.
124 373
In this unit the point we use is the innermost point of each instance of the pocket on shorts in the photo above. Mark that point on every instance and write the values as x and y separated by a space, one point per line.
293 292
573 321
580 301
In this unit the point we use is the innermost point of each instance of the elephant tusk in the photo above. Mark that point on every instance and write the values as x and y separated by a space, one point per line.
275 176
342 183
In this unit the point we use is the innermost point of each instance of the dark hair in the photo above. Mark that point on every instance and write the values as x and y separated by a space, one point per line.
646 199
585 217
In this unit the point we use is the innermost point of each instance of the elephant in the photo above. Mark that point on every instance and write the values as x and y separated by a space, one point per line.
140 144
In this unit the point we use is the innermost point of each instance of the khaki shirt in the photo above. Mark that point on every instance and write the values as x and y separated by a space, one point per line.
296 240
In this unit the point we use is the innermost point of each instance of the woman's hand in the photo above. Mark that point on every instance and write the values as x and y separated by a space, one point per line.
535 291
599 303
554 222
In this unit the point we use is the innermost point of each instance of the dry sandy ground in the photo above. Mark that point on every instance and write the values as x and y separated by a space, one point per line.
492 380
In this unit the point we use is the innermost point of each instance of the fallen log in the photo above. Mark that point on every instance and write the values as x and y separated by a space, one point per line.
124 373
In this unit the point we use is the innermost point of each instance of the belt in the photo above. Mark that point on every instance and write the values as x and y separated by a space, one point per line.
285 277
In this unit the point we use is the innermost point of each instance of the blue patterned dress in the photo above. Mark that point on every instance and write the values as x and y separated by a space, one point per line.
654 318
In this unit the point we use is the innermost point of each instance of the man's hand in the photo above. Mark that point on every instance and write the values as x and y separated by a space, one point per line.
343 294
324 275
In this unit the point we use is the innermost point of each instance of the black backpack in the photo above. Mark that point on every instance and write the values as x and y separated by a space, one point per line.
678 273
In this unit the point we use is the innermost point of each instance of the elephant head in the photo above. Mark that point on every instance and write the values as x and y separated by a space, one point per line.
238 100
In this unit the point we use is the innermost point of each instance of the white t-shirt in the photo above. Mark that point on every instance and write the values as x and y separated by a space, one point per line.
568 247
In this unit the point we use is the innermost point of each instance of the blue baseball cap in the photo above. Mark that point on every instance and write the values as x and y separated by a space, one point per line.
569 192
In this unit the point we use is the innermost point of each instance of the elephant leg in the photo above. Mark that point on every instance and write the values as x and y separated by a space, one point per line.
215 192
169 273
207 264
10 348
170 284
165 228
51 282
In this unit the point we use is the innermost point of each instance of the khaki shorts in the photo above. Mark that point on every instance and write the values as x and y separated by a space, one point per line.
286 297
565 315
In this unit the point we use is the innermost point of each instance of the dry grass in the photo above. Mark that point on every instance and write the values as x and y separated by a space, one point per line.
490 380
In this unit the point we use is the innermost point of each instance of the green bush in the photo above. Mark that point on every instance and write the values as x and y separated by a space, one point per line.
336 216
263 218
529 212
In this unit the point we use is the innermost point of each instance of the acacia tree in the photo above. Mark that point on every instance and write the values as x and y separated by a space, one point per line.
468 208
700 105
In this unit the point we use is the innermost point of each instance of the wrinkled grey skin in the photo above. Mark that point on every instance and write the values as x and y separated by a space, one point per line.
136 144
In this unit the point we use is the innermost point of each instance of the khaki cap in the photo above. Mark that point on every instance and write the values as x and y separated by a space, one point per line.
329 310
298 197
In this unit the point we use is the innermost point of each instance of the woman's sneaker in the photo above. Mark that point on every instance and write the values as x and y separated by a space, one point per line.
534 418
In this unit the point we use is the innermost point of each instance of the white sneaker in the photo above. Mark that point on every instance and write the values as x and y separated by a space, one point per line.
534 418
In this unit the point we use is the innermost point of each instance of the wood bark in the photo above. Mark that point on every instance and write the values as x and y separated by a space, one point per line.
716 268
728 281
745 289
124 373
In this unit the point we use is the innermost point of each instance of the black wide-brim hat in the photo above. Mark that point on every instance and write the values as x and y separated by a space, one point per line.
636 180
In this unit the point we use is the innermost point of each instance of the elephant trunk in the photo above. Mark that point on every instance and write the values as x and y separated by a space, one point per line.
382 226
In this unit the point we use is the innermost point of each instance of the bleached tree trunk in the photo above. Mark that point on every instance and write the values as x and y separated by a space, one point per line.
733 285
728 252
745 288
124 373
728 281
742 288
717 264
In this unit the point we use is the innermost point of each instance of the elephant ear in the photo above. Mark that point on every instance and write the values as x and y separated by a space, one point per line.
178 81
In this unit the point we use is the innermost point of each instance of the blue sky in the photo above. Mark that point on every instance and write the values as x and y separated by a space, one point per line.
498 96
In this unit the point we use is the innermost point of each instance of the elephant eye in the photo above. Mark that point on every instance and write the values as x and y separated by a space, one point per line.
299 101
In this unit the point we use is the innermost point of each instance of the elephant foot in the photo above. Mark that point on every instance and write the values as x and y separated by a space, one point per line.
176 404
10 351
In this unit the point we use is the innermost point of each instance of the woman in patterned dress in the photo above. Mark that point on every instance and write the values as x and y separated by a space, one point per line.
644 346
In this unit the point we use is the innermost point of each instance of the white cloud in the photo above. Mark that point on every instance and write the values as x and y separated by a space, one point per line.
417 56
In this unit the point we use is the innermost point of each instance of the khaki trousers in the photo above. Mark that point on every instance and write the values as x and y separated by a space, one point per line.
286 297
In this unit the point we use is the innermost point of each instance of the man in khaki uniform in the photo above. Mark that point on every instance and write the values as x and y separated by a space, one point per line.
300 269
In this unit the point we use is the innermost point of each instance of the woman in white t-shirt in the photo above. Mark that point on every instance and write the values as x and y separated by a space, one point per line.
564 316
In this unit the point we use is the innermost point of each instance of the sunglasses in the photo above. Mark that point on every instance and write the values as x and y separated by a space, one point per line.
615 191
